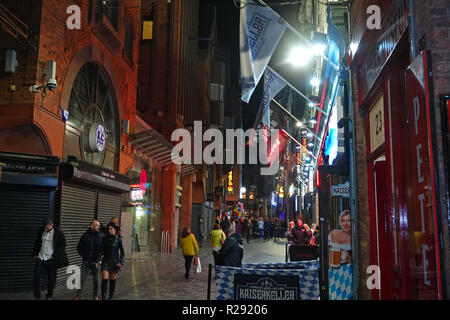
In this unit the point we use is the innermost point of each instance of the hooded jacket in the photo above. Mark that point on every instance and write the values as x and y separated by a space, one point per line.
232 251
90 245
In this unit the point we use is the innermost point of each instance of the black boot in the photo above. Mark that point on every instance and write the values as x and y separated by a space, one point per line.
104 288
112 287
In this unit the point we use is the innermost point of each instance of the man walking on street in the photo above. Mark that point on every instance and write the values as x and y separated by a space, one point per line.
232 251
89 248
50 254
266 229
261 227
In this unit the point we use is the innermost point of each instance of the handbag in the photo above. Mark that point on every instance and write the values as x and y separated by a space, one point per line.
198 266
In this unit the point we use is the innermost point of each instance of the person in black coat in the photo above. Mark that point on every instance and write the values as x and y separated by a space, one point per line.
50 254
232 250
89 248
299 234
113 258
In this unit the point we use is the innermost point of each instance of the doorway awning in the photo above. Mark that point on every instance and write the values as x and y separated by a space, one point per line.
153 145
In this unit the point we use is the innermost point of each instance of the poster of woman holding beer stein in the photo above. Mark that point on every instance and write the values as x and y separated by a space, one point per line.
340 241
340 249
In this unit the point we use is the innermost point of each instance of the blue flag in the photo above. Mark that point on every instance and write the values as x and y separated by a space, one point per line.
272 85
260 32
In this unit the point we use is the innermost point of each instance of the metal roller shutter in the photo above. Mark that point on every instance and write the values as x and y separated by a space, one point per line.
109 205
22 213
78 204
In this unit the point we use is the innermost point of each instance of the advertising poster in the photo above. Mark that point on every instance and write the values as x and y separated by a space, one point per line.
340 241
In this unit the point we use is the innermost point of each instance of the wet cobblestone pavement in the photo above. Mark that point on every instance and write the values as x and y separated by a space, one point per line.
159 277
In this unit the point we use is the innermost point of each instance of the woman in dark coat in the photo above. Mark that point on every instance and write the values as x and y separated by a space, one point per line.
113 258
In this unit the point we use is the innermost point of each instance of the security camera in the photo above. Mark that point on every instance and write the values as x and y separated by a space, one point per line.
50 73
34 89
51 84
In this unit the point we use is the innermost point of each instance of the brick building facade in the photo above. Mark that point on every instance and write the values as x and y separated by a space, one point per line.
402 190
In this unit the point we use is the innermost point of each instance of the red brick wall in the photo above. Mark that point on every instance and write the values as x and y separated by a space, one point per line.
54 41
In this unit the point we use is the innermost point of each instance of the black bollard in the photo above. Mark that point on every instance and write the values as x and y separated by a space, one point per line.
209 282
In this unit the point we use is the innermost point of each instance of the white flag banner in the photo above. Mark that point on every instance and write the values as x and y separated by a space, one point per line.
260 32
272 85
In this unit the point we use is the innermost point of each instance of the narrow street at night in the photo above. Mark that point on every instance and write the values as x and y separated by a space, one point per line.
299 147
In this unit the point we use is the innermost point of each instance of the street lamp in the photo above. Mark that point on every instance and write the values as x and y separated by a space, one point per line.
300 56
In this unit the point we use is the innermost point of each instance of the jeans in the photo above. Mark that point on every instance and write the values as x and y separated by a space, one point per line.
49 267
260 233
188 263
216 258
86 269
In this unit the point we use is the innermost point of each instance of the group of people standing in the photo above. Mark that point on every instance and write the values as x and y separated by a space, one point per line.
251 226
100 250
301 234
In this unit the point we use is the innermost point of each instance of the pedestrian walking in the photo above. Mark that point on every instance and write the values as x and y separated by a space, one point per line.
217 239
232 250
50 254
260 227
89 248
248 229
189 248
113 258
116 224
266 229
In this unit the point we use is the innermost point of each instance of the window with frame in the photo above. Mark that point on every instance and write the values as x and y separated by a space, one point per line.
91 102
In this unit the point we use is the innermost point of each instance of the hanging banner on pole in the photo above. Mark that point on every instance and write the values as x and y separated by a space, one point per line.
272 85
260 32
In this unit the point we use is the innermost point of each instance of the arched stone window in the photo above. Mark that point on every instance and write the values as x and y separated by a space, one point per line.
92 131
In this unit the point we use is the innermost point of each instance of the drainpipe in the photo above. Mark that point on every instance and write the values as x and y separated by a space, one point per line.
412 30
353 179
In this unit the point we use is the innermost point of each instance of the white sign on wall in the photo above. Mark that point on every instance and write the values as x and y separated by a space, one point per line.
376 116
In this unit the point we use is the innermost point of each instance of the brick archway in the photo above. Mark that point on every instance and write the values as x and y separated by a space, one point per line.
26 138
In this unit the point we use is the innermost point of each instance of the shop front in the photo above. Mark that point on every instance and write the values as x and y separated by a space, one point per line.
144 217
87 192
393 92
28 186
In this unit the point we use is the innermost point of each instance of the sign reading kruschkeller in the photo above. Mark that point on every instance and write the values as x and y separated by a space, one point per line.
266 287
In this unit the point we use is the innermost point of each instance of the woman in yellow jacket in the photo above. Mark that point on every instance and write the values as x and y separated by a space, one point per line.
217 240
189 247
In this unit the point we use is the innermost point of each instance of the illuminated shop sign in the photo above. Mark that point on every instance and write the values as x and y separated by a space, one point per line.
341 190
291 190
230 181
143 182
97 137
281 193
136 193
